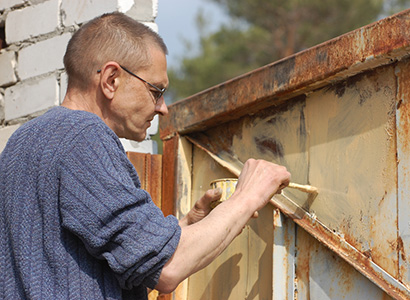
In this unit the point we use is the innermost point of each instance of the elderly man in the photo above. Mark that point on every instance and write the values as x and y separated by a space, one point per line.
74 222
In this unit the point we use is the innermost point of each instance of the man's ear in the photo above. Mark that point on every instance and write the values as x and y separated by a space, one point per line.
109 79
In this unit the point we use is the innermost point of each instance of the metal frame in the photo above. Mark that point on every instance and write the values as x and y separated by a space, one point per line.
381 43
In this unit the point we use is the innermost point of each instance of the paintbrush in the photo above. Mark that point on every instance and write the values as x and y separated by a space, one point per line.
234 165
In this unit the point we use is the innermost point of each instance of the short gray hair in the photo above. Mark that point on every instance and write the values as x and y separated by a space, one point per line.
110 37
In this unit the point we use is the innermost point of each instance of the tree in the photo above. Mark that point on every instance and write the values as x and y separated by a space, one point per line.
263 31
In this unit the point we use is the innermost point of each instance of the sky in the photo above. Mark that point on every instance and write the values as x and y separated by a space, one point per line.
176 22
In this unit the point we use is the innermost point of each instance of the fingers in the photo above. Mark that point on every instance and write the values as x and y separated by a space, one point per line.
202 207
265 172
210 196
260 180
282 186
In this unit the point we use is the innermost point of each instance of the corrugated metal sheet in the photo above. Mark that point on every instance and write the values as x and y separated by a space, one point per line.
337 116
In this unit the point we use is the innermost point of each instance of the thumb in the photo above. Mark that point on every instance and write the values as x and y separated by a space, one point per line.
212 195
206 201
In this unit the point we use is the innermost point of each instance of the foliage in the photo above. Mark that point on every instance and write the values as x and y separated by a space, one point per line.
263 31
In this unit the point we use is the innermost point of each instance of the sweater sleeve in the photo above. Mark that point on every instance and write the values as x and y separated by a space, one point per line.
102 203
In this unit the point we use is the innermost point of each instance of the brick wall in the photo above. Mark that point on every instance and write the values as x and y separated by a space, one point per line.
33 38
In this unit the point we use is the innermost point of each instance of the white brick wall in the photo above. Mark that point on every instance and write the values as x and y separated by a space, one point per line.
4 4
32 21
77 12
32 77
5 134
42 57
140 10
7 63
63 85
1 107
30 97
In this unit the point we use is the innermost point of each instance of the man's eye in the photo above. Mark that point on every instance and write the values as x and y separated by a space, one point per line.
155 94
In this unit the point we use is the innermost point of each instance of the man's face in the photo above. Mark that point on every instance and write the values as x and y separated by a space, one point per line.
133 107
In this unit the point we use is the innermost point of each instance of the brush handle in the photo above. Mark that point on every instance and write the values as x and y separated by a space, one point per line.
235 168
234 165
303 187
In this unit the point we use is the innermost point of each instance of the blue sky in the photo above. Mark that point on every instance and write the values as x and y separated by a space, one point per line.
176 22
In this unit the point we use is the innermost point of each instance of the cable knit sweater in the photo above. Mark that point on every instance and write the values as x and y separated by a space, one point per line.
74 223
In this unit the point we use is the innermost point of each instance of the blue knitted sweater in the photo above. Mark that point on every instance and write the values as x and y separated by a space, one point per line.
74 223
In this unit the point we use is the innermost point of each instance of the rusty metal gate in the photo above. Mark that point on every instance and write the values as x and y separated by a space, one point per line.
337 116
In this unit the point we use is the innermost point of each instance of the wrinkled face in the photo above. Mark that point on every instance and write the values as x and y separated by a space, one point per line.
133 106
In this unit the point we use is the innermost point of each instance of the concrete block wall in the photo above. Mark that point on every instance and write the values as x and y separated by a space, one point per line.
33 38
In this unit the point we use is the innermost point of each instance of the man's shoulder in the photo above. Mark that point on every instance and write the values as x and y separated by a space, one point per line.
59 126
71 123
61 115
61 120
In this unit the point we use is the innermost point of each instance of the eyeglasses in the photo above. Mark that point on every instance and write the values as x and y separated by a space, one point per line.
157 94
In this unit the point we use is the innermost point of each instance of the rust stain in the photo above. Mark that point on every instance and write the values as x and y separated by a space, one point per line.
169 181
368 253
393 245
403 270
346 229
399 104
355 258
386 297
403 106
149 169
302 266
401 249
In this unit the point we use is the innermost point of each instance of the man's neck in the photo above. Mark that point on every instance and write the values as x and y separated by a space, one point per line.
81 101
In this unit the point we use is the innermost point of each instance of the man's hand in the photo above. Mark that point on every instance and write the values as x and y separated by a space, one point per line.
202 207
259 181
